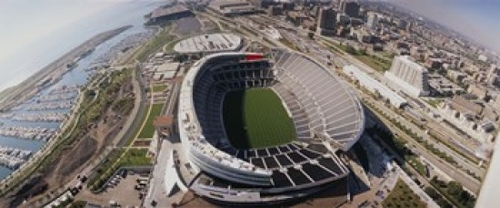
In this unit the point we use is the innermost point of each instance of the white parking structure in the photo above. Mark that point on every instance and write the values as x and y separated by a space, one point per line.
209 43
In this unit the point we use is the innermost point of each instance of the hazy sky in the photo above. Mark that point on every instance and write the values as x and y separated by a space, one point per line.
26 25
35 32
24 28
479 19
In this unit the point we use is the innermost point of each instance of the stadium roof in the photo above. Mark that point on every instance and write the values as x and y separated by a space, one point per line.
209 43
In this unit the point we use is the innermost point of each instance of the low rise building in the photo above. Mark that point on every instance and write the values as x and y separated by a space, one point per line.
232 7
374 86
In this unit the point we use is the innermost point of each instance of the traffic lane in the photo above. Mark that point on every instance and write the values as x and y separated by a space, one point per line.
458 158
469 183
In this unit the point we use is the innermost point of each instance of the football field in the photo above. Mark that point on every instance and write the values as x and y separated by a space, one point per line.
256 118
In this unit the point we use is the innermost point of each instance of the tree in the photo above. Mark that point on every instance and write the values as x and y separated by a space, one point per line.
310 34
454 188
432 193
350 50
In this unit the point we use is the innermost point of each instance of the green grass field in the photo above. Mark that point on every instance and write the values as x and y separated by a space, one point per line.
402 196
159 88
256 118
149 130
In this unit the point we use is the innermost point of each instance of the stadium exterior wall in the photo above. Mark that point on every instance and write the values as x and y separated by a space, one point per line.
190 133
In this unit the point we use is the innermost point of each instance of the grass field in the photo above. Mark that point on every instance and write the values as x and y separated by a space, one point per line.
256 118
374 62
159 88
402 196
149 129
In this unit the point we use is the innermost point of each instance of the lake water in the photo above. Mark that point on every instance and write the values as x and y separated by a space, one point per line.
120 14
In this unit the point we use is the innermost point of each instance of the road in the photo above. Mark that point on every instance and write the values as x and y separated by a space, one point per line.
467 181
465 163
139 90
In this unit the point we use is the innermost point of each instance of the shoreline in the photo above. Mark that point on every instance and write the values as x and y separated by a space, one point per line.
19 95
23 91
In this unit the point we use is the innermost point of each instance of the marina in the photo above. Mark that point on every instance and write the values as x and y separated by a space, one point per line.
58 83
123 46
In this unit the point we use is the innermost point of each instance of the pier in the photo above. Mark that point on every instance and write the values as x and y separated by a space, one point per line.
12 158
50 106
27 133
43 117
57 97
64 90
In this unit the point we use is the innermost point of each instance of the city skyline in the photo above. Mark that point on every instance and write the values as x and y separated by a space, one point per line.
473 18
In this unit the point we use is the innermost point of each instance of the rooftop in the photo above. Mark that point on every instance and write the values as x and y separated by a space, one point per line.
209 43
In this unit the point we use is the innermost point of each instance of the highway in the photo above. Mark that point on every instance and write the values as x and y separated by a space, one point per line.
467 181
465 163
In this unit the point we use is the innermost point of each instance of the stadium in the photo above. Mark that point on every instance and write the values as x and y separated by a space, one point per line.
265 129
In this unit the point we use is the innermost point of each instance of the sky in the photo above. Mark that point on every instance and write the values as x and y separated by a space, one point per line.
26 29
29 28
34 33
478 19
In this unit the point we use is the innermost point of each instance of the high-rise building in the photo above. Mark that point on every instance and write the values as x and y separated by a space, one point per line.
372 21
350 8
402 24
409 76
326 21
493 75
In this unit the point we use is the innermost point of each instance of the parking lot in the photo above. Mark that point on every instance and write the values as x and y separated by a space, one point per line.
123 190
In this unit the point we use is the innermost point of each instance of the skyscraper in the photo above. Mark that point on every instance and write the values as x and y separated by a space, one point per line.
326 21
372 21
410 76
350 8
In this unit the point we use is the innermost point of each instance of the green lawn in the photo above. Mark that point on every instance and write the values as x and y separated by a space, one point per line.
402 196
149 129
375 63
433 102
136 157
372 61
415 163
256 118
159 88
132 157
